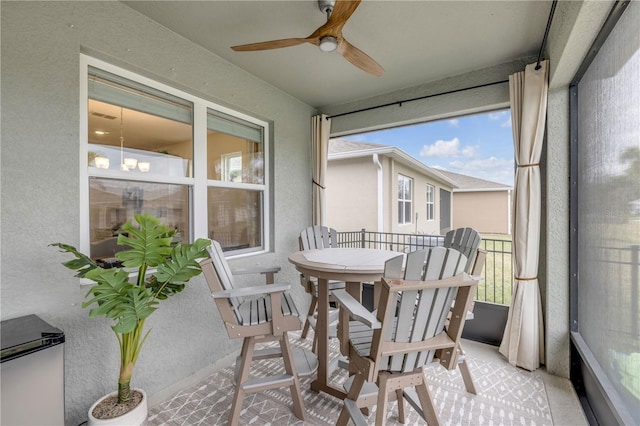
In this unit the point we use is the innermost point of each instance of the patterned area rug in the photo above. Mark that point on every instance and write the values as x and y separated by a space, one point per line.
506 396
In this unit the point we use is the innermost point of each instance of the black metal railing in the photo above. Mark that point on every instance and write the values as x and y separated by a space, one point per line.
496 285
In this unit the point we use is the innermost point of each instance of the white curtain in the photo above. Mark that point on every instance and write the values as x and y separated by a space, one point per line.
321 127
523 340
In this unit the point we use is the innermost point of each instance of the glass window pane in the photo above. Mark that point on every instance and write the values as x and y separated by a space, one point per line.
114 202
235 217
137 129
407 213
234 154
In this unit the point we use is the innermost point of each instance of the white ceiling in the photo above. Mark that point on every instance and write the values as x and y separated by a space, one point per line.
415 41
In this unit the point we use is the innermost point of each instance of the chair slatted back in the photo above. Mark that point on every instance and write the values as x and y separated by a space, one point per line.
318 237
466 241
416 315
223 279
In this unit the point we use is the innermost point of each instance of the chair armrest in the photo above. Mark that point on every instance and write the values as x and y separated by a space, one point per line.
355 309
251 291
257 270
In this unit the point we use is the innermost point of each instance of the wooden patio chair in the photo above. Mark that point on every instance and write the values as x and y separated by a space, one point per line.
467 241
317 237
388 353
258 314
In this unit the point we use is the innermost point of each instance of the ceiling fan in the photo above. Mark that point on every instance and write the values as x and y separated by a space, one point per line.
327 37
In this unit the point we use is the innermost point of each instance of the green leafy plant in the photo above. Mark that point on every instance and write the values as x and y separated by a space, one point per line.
128 296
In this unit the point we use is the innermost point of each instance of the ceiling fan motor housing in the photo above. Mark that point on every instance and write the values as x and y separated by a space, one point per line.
326 6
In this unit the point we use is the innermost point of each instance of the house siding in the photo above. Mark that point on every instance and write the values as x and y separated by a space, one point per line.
420 225
485 211
41 47
352 194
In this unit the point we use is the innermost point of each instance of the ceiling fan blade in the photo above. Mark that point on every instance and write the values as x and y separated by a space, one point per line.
267 45
342 11
358 58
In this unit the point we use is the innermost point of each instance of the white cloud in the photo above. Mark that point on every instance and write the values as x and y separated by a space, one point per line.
506 123
454 122
493 169
497 115
452 148
441 149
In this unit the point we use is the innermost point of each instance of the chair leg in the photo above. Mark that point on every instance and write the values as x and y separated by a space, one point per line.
383 398
426 401
354 391
466 374
312 311
296 396
246 356
401 414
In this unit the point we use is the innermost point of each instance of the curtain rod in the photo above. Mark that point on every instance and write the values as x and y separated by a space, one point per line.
418 98
399 103
546 32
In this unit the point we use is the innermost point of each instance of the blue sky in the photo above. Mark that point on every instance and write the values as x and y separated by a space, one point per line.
478 145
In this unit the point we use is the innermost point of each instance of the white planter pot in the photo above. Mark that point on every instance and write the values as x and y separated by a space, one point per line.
135 417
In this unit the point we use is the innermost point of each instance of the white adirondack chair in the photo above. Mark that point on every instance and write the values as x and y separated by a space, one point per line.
467 241
317 237
258 314
387 353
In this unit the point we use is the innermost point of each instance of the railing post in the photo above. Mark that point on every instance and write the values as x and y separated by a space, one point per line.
634 286
362 238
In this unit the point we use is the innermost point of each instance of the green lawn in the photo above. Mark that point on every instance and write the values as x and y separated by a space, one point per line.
497 284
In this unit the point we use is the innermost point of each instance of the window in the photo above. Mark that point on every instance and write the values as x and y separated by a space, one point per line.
149 148
235 171
404 199
431 201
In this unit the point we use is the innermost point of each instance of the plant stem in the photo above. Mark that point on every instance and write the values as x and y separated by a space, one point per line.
130 345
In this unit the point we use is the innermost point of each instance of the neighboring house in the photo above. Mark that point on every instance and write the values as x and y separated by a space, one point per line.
382 188
480 204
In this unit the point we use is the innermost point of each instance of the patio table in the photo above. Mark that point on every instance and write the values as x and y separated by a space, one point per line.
354 266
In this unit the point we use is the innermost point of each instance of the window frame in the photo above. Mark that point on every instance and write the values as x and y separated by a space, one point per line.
197 184
405 201
431 190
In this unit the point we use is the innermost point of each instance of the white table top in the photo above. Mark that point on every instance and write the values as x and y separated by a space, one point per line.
344 259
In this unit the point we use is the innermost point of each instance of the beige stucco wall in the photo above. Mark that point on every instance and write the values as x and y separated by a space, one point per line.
41 46
420 225
352 194
486 211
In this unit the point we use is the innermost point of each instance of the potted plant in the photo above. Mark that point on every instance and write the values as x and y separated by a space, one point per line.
154 268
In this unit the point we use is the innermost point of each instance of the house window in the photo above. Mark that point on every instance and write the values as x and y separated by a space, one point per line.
404 199
235 193
195 165
431 201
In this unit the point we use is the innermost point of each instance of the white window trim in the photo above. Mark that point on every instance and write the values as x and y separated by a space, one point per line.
404 177
199 181
432 203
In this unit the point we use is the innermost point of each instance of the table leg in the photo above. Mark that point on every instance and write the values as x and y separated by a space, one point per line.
322 328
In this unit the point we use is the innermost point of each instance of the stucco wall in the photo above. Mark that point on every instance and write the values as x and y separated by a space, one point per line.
41 44
420 225
487 212
352 194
